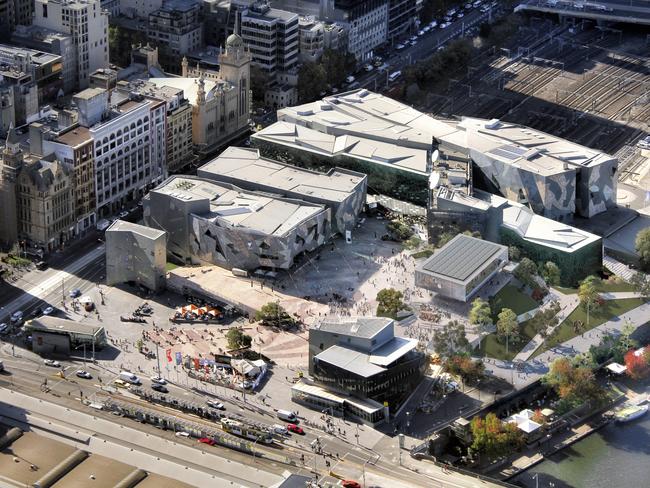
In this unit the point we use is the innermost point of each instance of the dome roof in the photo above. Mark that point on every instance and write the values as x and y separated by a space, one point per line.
234 41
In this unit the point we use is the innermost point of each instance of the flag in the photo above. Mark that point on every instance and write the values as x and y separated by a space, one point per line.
169 355
179 358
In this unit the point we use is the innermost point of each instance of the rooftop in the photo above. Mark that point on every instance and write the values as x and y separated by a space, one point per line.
124 226
247 165
365 327
190 86
56 324
18 53
239 208
461 257
75 137
263 12
89 93
366 404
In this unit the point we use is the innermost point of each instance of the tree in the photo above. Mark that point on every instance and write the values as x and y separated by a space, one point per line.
337 65
480 314
636 364
575 385
525 272
451 340
614 346
237 339
642 245
462 365
641 284
507 325
274 315
514 253
546 318
551 273
389 302
259 82
588 294
312 80
399 230
493 438
578 327
444 238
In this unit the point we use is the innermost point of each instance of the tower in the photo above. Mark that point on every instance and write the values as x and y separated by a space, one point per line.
12 163
235 68
184 66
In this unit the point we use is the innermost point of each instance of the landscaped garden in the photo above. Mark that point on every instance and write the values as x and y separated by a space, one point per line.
602 286
510 297
494 346
566 330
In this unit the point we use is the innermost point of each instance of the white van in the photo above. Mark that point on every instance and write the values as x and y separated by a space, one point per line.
287 415
395 75
129 378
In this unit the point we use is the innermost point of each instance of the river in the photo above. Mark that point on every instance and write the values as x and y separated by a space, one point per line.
616 456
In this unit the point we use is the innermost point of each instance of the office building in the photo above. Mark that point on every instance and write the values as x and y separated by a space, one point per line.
135 253
44 69
176 29
312 39
217 223
272 35
87 22
53 42
461 267
342 191
7 19
129 145
401 18
18 97
139 9
179 120
361 357
12 163
216 15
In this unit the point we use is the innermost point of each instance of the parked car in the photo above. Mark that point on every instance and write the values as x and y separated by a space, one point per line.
47 310
123 214
349 79
159 380
182 434
84 374
400 46
4 329
207 440
75 292
16 317
296 429
121 383
280 429
215 404
350 484
52 362
159 387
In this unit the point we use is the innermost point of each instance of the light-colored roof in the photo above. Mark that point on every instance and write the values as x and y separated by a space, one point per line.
366 327
543 231
56 324
89 93
392 351
355 362
616 368
239 208
246 165
124 226
190 86
462 257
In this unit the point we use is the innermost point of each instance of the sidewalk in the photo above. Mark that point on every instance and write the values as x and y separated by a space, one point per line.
567 304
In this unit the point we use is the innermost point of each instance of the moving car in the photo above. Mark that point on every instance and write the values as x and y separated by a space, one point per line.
129 377
287 415
75 292
159 380
123 214
350 79
4 329
47 310
295 429
350 484
121 383
159 387
83 374
400 46
51 362
215 404
17 316
207 440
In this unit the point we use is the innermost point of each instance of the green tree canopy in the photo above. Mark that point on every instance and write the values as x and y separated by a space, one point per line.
237 339
507 325
274 315
480 314
401 231
551 273
389 302
462 365
493 438
451 340
588 293
337 65
642 245
574 384
641 284
525 272
259 82
312 80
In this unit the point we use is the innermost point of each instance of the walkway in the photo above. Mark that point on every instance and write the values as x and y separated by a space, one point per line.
618 268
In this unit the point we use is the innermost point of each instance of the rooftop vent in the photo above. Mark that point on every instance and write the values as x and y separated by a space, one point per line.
493 124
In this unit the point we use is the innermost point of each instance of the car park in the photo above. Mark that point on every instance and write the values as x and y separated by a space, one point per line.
159 380
84 374
52 363
296 429
160 388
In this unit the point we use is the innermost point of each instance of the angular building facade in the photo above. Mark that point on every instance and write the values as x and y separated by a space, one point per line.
135 253
342 191
218 223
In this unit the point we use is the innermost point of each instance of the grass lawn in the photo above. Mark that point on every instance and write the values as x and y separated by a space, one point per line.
609 310
493 347
604 286
510 297
170 266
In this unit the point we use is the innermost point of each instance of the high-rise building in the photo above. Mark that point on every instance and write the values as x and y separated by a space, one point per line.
86 22
45 69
